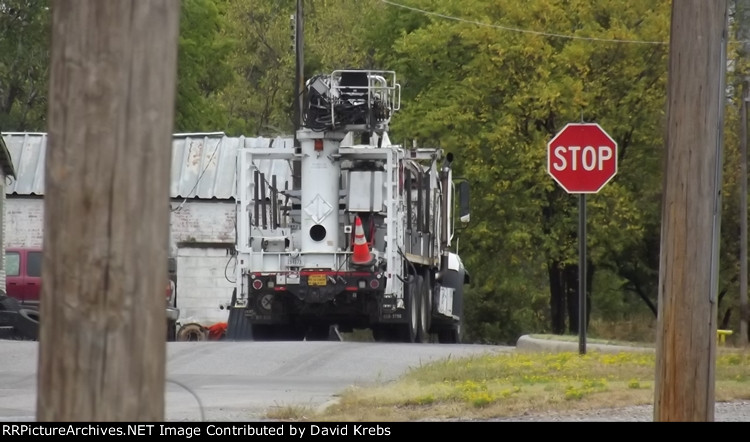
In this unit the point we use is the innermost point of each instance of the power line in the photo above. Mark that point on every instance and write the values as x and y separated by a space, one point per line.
525 31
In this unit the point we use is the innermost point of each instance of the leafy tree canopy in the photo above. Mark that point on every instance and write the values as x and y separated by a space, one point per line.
202 68
24 34
493 85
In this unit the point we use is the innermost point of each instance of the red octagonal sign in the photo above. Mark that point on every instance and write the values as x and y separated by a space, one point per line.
582 158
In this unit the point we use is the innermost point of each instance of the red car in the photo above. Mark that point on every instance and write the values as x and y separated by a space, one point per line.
23 282
23 274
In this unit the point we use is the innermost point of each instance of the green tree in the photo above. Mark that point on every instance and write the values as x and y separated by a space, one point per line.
203 71
261 99
24 35
494 96
24 60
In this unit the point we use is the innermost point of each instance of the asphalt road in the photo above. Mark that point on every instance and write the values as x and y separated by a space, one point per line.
241 381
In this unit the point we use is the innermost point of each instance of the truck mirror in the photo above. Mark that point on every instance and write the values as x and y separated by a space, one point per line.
463 201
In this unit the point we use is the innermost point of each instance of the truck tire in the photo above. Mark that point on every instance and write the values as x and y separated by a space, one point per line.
410 330
425 309
27 324
450 334
171 331
192 332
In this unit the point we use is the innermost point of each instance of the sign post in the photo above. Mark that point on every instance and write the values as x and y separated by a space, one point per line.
582 158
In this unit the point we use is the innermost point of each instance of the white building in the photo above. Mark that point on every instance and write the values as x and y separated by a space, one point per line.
7 173
202 193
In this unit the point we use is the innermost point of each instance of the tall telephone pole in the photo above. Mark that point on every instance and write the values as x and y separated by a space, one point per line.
102 342
742 11
299 42
691 209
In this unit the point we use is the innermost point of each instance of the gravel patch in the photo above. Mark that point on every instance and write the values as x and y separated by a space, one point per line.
735 411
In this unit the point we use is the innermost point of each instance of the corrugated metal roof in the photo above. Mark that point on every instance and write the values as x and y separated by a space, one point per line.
203 164
27 150
6 162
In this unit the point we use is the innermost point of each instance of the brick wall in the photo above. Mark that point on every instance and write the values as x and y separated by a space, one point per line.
193 221
204 284
202 233
24 222
202 222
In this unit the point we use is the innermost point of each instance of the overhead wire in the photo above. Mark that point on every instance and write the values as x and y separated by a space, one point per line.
521 30
529 31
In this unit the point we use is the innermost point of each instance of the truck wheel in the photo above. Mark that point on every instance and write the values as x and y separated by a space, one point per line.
411 329
27 324
192 332
425 310
171 331
450 334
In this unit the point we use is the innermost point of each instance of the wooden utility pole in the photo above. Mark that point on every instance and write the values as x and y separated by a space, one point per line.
691 209
742 10
299 87
102 339
299 71
743 213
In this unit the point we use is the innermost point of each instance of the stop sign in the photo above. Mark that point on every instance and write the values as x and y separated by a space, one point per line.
582 158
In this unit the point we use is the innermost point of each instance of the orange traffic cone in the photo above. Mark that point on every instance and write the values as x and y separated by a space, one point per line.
360 252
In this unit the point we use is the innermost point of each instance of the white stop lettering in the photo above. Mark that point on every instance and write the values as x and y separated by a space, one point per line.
591 157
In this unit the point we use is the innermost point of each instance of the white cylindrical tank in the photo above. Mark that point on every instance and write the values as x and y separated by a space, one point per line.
321 172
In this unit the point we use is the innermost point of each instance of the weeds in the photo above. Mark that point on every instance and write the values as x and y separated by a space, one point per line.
506 384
